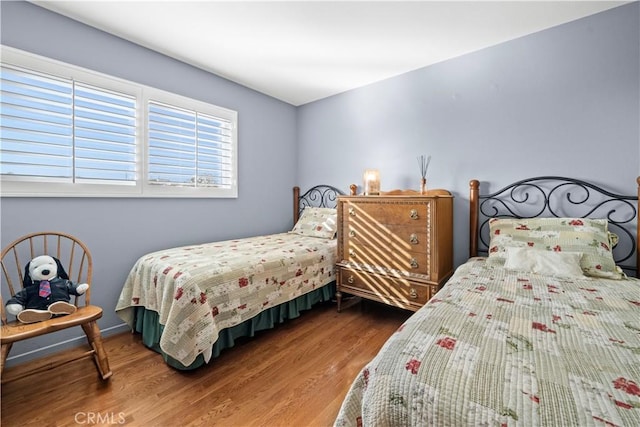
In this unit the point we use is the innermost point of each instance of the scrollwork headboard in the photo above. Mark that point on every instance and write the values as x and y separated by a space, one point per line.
555 196
321 196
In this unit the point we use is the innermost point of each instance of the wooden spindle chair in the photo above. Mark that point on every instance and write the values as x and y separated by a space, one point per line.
76 259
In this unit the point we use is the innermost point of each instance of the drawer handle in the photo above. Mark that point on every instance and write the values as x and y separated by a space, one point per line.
352 253
413 294
352 233
413 239
352 212
414 263
350 279
413 214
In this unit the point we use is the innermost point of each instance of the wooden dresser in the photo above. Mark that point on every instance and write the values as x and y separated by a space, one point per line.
396 248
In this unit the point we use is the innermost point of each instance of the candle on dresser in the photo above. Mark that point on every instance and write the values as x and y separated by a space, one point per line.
371 182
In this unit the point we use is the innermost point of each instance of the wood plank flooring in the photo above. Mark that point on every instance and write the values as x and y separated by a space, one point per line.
294 375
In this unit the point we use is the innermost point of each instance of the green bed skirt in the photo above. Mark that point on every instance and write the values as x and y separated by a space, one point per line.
146 323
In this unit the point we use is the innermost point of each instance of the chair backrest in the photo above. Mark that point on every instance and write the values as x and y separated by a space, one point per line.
73 254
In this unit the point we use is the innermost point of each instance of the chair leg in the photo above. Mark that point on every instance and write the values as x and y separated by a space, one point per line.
3 356
92 332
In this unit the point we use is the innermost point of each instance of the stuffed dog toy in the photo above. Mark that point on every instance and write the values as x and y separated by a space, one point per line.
45 292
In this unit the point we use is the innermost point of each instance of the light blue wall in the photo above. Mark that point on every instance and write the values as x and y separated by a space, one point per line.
564 101
118 231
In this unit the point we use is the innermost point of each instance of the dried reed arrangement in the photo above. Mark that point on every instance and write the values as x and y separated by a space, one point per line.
423 161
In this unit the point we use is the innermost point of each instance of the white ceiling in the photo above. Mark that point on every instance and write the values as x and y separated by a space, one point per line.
302 51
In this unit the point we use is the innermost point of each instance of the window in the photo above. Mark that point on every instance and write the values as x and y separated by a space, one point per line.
71 132
187 148
61 131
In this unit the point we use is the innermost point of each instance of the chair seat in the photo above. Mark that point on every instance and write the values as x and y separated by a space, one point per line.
17 331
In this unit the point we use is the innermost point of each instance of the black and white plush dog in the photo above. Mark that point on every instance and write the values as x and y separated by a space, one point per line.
46 291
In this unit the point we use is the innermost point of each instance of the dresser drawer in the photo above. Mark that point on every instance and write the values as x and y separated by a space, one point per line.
385 255
414 238
386 289
404 213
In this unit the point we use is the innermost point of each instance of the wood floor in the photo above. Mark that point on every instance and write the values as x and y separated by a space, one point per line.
294 375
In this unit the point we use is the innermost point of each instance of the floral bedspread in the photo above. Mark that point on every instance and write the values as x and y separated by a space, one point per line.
199 290
500 348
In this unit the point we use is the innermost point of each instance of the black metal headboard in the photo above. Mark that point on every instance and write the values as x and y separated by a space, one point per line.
555 196
321 196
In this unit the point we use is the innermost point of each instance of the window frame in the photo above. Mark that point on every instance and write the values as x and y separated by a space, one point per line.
29 187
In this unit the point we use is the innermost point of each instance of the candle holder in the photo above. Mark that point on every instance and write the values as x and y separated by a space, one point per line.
371 179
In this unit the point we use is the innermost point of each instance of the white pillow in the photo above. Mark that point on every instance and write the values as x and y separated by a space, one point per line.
559 264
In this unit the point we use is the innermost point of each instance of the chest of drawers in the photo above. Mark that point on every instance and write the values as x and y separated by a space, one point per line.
396 249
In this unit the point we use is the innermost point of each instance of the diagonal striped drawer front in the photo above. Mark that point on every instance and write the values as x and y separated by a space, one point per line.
396 237
385 288
385 255
396 213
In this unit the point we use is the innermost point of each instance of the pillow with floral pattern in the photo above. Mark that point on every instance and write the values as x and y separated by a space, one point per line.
317 222
587 236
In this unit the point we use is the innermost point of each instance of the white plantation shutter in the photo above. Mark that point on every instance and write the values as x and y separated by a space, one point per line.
105 135
188 148
72 132
215 151
58 130
37 126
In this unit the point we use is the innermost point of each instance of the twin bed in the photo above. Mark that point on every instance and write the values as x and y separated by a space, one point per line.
542 329
189 303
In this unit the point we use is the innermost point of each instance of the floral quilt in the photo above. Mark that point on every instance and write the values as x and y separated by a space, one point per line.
199 290
503 348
